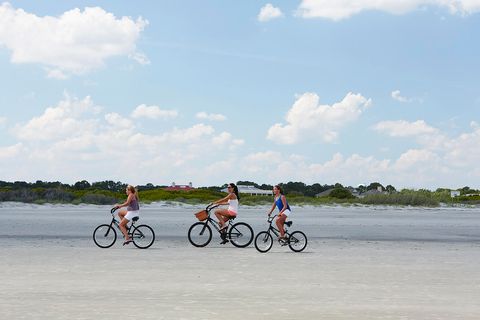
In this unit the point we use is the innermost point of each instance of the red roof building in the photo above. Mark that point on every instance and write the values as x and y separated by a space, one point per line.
180 187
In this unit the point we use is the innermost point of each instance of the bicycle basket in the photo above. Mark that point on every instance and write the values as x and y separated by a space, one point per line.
202 215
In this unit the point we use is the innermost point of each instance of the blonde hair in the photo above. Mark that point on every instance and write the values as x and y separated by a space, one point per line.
133 190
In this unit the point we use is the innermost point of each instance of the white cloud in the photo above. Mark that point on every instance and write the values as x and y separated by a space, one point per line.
78 140
413 157
211 116
10 151
269 12
116 120
140 58
3 121
342 9
402 128
307 120
57 122
397 96
75 42
153 112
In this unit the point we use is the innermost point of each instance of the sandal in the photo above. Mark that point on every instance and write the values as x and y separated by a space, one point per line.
127 241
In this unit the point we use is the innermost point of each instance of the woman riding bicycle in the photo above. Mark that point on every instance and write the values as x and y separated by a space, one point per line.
280 201
132 211
223 215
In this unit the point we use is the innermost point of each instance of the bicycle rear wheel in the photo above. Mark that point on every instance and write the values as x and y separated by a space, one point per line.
200 234
297 241
263 241
104 236
240 234
143 236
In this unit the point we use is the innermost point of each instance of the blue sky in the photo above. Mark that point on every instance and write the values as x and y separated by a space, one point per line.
218 91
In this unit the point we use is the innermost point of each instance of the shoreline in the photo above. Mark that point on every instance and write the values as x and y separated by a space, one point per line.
178 204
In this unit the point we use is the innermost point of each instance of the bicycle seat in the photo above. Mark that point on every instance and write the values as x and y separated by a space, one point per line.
288 223
135 219
232 218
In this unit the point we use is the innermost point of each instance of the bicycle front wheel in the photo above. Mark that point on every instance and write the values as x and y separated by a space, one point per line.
200 234
297 241
263 241
104 236
240 235
143 236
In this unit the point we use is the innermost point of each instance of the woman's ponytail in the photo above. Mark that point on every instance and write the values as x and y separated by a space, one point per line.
235 190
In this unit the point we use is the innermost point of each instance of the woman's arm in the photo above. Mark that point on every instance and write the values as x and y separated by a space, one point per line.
273 207
223 200
126 203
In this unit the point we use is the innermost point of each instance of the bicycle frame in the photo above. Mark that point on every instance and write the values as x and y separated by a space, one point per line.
117 223
274 230
211 221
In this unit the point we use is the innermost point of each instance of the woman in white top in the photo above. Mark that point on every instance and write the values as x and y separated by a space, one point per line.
223 215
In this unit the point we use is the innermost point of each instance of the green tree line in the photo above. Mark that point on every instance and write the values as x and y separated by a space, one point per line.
109 192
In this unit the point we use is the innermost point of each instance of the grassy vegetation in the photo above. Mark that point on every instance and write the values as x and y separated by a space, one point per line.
91 195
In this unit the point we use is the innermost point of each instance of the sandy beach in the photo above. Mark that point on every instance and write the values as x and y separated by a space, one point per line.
360 263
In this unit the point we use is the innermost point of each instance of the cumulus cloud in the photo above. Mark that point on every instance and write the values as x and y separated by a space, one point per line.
65 119
308 120
269 12
76 140
211 116
10 151
153 112
402 128
75 42
337 10
397 96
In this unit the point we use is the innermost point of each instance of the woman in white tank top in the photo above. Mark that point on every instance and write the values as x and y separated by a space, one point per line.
223 215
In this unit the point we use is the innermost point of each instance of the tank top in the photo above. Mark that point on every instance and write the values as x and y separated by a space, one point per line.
133 206
279 203
233 205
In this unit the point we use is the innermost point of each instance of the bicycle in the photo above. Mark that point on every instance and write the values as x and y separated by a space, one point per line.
240 234
297 240
105 235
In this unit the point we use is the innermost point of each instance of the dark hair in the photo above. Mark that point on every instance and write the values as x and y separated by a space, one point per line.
235 189
280 189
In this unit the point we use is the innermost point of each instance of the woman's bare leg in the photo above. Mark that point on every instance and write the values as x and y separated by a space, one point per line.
123 223
280 222
222 216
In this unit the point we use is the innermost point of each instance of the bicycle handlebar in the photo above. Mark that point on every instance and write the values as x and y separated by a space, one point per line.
270 217
112 211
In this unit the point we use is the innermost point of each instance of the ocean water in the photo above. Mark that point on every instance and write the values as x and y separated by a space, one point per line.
75 223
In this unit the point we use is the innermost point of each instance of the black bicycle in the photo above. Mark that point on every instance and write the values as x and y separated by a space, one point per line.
105 235
297 240
240 234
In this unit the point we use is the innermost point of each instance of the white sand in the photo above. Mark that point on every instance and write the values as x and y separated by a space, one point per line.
69 278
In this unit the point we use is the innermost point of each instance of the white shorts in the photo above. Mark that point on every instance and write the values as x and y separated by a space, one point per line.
287 212
132 214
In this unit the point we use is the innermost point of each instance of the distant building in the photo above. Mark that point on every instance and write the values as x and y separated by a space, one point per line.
325 193
454 193
180 187
251 190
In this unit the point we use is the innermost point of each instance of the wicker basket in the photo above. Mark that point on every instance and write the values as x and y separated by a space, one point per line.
202 215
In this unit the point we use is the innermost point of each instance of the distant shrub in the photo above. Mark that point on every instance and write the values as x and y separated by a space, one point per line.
341 193
402 199
95 198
